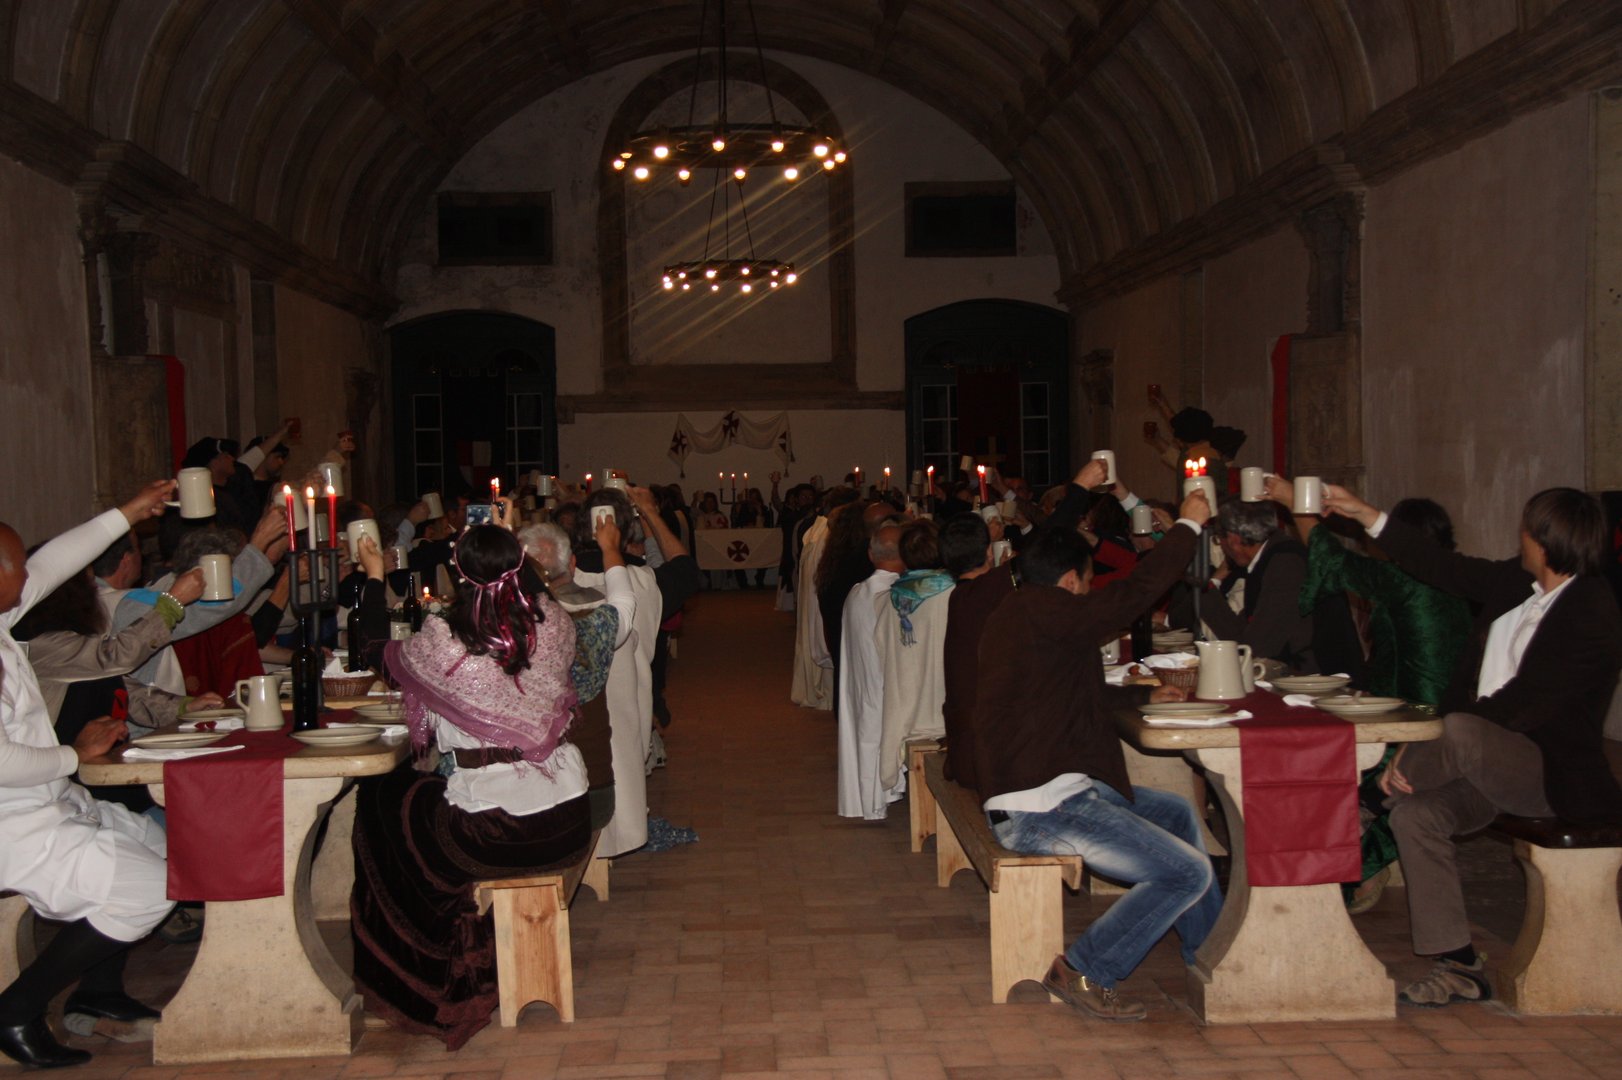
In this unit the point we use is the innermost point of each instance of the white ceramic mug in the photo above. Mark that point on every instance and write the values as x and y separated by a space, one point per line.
990 513
332 475
966 463
1009 508
1108 458
1252 483
599 514
1111 651
544 487
436 509
617 483
1201 483
261 696
1000 551
217 583
397 558
399 631
1309 495
1143 520
196 493
358 529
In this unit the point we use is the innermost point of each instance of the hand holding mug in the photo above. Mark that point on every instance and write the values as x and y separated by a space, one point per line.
1279 488
1195 508
642 498
371 559
1337 500
1093 474
148 502
188 587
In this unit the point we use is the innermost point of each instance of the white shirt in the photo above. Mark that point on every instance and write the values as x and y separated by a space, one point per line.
1040 800
1510 634
517 787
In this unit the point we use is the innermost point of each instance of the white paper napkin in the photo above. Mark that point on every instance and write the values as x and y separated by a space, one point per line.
387 731
1115 674
221 723
141 753
1300 701
1170 660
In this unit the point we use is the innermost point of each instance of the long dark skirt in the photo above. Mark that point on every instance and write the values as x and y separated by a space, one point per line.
424 957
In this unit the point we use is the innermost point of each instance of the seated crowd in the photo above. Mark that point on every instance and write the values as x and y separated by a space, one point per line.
530 704
983 626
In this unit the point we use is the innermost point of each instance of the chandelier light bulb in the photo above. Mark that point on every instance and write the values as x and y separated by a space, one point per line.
744 271
739 173
828 163
719 144
661 152
746 288
685 175
715 288
641 172
682 274
839 156
777 146
791 173
774 284
669 284
686 287
619 164
710 273
792 277
820 150
775 273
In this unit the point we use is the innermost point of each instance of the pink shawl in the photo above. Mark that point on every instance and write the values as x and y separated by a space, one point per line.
529 711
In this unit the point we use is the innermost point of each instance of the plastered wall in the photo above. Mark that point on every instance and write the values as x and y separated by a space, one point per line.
1474 324
315 342
48 477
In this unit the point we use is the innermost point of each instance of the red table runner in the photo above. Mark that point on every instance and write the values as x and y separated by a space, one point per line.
1300 794
224 815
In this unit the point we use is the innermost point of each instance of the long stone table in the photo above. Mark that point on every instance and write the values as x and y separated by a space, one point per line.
264 984
1279 952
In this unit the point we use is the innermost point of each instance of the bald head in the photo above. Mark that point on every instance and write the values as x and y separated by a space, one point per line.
13 568
885 549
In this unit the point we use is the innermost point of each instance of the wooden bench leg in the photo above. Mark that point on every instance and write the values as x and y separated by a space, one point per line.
532 951
1568 957
949 856
596 878
16 937
920 800
1027 925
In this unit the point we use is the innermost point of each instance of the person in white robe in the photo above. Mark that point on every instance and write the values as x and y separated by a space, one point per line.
911 643
630 677
92 865
861 685
813 667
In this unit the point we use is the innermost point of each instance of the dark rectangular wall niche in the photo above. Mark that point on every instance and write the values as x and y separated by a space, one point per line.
495 229
959 220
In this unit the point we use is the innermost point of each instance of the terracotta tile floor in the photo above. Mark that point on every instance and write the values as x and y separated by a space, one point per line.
790 941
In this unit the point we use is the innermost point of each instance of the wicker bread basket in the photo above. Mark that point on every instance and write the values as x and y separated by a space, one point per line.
1185 678
343 686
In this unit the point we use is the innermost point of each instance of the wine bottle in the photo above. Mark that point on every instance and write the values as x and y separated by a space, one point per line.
413 607
1143 635
306 672
355 661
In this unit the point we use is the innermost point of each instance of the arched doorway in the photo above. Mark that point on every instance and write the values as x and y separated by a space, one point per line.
983 370
474 397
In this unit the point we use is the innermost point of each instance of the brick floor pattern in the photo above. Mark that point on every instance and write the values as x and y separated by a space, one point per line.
790 942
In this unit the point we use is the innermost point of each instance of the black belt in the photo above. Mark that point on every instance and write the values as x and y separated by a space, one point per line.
478 759
996 817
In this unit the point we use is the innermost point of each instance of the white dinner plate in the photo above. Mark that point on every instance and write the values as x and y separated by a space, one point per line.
384 712
1346 705
1221 720
223 713
348 735
179 740
1310 684
1183 708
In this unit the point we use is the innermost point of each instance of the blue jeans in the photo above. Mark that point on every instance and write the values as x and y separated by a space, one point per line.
1152 843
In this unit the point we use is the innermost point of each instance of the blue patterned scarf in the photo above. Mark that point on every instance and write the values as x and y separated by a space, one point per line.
910 591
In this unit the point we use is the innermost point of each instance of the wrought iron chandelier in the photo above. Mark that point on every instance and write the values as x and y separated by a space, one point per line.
736 148
709 274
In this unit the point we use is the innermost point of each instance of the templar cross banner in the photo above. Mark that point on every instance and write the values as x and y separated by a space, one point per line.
771 433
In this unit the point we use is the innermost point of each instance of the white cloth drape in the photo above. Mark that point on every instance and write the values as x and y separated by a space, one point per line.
771 433
813 675
738 549
861 703
914 681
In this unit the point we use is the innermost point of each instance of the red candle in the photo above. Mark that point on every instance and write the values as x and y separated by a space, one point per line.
1188 468
495 488
292 529
1201 471
332 516
886 478
981 469
588 483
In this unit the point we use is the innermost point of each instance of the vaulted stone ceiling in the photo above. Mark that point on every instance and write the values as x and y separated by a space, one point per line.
304 135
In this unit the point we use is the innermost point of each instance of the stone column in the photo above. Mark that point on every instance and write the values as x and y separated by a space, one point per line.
1604 353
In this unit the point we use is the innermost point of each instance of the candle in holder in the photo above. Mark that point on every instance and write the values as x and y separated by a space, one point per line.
886 483
588 483
495 488
332 517
292 527
984 498
734 480
746 483
929 490
309 515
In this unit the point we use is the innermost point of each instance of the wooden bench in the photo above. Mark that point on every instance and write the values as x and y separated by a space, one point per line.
16 936
1568 957
1026 891
920 802
533 959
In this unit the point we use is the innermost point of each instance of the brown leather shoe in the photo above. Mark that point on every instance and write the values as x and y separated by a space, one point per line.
1079 992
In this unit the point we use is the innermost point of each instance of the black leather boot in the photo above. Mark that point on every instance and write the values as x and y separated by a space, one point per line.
101 993
33 1044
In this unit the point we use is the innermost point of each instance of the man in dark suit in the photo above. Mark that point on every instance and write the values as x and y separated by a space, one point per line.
1524 711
